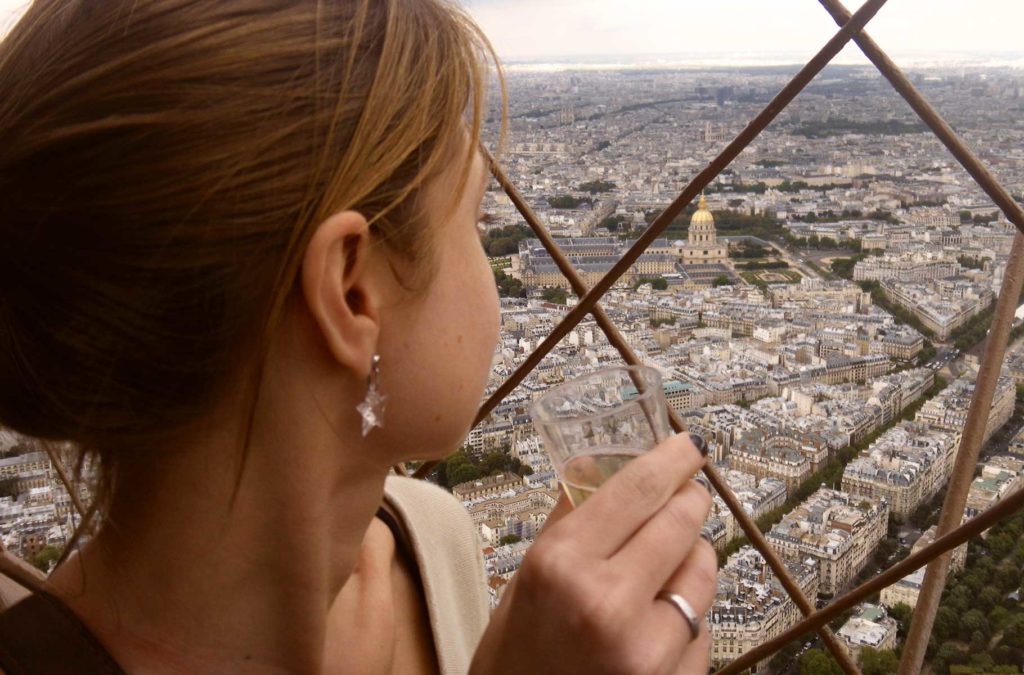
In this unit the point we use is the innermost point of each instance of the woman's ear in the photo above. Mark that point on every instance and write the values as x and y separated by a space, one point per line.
340 289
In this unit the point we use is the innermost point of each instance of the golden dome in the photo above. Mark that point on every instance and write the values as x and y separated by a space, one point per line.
702 216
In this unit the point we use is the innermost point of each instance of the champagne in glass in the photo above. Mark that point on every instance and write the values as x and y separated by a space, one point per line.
583 474
591 426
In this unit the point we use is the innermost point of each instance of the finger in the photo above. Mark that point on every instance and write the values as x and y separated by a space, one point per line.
562 509
603 523
665 540
695 581
697 655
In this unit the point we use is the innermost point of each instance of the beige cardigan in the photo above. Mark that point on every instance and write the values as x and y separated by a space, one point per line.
444 540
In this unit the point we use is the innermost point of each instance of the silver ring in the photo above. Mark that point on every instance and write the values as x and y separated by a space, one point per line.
680 603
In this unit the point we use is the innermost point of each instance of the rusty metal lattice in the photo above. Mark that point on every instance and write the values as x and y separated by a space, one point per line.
950 532
949 535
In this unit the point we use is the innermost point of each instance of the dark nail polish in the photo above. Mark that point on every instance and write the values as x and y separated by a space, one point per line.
701 444
704 483
705 536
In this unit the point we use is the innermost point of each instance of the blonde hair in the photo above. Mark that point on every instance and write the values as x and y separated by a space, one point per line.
164 165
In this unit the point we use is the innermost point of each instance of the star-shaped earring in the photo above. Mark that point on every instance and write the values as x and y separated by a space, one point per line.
372 407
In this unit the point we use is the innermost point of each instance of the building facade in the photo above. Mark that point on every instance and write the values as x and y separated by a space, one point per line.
837 529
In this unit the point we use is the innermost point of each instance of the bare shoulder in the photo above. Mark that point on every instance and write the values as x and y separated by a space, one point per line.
414 641
360 623
379 622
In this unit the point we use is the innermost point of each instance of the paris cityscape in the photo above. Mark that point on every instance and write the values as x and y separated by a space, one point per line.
817 315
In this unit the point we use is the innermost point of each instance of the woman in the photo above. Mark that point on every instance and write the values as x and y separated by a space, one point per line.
230 229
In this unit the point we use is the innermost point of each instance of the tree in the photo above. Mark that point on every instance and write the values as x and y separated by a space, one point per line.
920 516
974 621
998 617
959 598
595 186
555 294
817 662
949 652
784 657
507 286
1003 655
947 623
875 662
1000 544
612 223
497 462
462 473
657 283
989 598
1013 633
982 661
502 241
972 581
721 280
752 251
568 202
9 487
43 559
457 468
843 267
902 612
978 642
509 539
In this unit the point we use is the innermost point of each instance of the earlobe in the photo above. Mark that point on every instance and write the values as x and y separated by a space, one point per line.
339 289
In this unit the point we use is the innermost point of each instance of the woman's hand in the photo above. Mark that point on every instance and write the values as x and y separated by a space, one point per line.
584 599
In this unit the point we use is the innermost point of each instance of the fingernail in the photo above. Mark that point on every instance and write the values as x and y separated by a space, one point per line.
703 481
701 444
706 536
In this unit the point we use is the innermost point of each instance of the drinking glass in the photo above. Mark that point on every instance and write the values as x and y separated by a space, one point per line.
592 425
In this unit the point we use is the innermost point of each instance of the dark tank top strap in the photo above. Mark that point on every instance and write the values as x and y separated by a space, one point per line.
41 635
401 538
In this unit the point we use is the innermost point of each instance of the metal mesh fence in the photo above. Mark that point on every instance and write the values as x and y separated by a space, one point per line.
950 532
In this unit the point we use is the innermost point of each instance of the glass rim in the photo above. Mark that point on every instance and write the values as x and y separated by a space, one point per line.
651 391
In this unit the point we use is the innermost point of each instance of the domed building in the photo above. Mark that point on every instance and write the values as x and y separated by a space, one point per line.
703 245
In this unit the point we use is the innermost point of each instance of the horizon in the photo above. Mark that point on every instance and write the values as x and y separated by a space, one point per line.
922 60
666 33
913 32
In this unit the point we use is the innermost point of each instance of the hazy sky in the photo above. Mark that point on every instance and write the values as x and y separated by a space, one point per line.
536 28
526 29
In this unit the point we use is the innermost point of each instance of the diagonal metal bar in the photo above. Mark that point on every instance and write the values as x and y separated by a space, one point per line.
977 419
959 149
966 459
629 356
591 297
942 545
699 182
759 542
21 572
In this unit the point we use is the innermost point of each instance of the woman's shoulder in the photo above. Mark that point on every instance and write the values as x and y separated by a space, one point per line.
434 520
411 493
40 634
447 550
